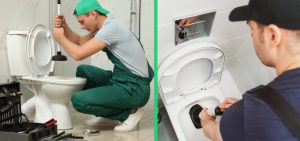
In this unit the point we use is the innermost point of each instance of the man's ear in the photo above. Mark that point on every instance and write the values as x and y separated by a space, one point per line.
94 14
274 34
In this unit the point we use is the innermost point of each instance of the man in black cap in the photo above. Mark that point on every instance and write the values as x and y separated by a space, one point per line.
275 26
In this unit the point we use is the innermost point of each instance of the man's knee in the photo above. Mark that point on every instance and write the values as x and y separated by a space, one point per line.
77 102
80 71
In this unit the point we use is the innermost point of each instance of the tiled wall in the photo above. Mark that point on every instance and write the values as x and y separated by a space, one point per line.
21 14
147 38
18 15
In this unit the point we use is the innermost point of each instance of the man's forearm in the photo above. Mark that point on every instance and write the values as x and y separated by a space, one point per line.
71 48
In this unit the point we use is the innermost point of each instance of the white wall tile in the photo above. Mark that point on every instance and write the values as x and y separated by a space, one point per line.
19 15
147 39
168 9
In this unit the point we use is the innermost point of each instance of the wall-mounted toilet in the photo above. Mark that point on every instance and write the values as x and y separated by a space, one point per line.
29 58
191 75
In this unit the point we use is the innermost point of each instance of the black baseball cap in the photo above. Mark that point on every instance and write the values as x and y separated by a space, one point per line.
283 13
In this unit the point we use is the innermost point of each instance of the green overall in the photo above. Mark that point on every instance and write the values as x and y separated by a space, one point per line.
111 94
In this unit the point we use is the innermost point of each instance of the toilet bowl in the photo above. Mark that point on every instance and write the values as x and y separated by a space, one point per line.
189 76
29 59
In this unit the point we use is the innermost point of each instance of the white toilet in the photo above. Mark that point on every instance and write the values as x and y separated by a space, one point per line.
29 58
191 75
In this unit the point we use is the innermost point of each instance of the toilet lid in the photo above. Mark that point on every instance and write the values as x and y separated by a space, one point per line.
189 70
39 50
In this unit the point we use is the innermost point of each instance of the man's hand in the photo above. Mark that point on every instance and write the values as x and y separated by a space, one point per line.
59 21
227 103
210 127
186 22
205 118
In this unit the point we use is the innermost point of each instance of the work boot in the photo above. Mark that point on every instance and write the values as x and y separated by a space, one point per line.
131 122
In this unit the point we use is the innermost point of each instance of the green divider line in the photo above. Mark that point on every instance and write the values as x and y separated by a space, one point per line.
155 72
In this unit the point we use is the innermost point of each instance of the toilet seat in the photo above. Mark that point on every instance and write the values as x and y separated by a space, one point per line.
189 70
39 50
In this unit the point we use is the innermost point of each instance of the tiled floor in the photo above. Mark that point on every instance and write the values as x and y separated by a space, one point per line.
143 133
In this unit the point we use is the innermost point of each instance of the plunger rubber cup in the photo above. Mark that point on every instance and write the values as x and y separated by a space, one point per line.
59 57
194 114
195 111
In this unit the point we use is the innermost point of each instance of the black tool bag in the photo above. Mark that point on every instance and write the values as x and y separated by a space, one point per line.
12 127
289 116
10 105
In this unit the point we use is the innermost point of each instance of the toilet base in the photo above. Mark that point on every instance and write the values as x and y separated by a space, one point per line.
62 115
51 97
40 106
44 112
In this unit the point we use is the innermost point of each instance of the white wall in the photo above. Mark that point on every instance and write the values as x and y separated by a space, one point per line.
19 15
147 39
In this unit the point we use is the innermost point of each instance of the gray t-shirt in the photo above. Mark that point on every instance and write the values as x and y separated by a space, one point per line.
123 44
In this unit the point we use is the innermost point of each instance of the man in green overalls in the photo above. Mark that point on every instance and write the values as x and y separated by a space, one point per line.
117 94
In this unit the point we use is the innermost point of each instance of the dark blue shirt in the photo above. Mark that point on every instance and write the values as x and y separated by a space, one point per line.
251 119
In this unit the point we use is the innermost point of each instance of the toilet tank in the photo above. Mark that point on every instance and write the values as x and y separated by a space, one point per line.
16 52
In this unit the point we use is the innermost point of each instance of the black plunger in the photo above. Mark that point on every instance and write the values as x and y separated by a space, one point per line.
59 56
195 111
194 114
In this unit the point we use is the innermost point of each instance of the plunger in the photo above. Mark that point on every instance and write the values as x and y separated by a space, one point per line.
59 56
195 111
194 114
